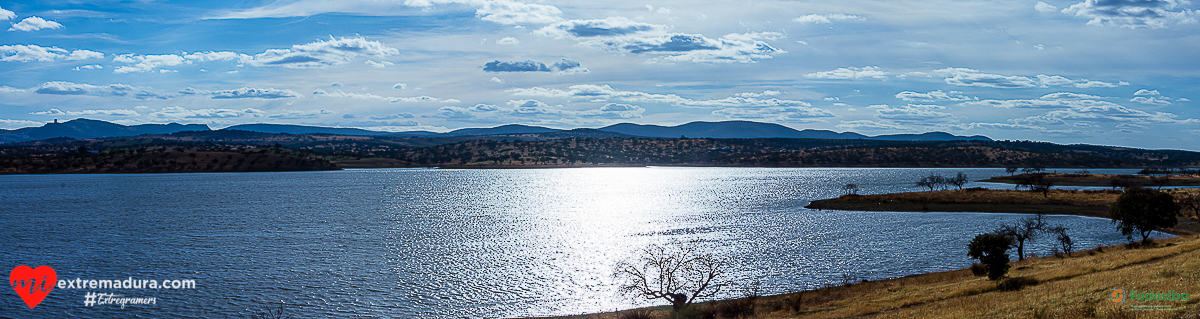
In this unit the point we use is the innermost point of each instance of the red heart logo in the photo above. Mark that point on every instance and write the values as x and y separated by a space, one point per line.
33 284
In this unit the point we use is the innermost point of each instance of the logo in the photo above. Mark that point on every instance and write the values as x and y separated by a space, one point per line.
1118 295
33 284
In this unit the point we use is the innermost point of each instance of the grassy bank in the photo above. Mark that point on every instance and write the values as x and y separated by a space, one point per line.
1105 180
1093 203
1078 285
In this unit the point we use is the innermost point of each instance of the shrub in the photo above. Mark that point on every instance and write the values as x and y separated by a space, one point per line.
978 269
1014 284
635 314
991 250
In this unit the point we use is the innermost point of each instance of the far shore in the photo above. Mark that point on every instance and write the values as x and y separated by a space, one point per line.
1091 203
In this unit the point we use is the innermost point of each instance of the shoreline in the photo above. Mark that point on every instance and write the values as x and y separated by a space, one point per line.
1089 203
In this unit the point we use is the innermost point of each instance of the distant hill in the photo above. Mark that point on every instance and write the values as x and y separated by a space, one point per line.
931 136
302 129
503 129
746 129
85 128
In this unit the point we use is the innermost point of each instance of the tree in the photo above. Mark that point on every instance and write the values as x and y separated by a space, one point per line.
850 188
933 181
959 180
992 251
1190 201
1142 210
1010 170
1064 240
1024 230
678 272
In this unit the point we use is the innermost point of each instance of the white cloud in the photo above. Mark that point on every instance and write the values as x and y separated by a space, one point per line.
244 93
400 86
15 124
7 15
34 24
827 18
1146 92
379 65
218 56
970 77
870 124
912 113
1044 7
71 88
497 80
1133 14
799 114
148 63
321 53
369 96
607 27
695 48
1153 100
933 96
28 53
502 11
117 112
508 41
849 73
293 115
175 113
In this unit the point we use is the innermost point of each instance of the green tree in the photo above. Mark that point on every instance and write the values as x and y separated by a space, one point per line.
991 250
1142 210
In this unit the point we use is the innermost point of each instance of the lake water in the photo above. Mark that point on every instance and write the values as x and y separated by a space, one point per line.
461 243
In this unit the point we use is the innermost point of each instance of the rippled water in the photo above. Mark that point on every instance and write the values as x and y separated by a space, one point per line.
461 243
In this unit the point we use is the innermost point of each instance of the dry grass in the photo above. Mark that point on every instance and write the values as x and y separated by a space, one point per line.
1075 286
1103 180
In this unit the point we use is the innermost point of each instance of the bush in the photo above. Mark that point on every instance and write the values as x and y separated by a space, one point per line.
1014 284
635 314
978 269
991 250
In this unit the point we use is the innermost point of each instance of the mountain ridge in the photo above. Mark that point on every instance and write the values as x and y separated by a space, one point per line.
86 128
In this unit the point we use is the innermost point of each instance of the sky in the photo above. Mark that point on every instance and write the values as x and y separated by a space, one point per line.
1107 72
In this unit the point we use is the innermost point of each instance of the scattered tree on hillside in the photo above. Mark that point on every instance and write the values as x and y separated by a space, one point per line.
1026 229
1142 210
1190 201
1064 240
1011 170
678 272
991 250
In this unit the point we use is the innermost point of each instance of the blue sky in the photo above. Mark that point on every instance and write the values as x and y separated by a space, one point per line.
1111 72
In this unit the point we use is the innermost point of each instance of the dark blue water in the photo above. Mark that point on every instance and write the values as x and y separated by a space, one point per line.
460 243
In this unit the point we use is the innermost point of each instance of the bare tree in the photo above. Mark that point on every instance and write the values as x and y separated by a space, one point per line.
1024 230
850 188
1010 170
1064 240
678 272
959 180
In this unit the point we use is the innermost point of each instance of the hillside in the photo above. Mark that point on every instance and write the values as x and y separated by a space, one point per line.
181 158
1077 285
